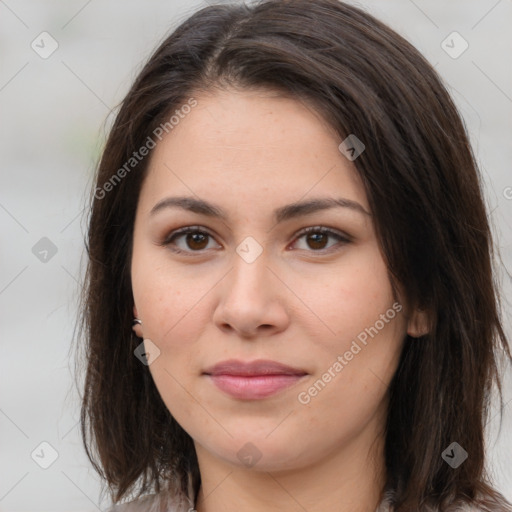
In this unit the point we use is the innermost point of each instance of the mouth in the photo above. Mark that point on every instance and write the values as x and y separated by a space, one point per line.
253 380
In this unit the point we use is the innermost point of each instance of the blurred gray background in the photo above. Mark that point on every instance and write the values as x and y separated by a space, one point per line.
54 112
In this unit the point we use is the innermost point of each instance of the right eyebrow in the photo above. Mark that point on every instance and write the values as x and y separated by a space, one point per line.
281 214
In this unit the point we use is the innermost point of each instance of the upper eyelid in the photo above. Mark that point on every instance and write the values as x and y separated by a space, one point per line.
298 234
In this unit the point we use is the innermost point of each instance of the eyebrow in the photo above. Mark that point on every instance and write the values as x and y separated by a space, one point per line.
281 214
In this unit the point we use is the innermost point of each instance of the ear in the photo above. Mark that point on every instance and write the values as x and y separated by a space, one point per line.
417 325
137 328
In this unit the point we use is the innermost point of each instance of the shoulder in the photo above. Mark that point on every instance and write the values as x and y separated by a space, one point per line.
154 503
481 504
490 504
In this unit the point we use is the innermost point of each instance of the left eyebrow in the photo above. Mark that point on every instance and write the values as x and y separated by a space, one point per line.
314 205
281 214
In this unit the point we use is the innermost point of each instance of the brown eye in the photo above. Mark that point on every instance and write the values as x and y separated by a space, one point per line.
196 240
318 237
317 240
192 240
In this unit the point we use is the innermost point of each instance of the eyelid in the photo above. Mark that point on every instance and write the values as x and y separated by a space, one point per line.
343 237
325 229
184 231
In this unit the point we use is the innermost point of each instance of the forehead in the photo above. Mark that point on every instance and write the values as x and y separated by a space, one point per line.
251 145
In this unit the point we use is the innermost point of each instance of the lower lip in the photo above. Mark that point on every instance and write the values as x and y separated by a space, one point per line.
254 387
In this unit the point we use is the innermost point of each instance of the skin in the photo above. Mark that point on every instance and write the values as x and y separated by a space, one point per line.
301 302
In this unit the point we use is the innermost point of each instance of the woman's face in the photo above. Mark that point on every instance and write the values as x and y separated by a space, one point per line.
250 285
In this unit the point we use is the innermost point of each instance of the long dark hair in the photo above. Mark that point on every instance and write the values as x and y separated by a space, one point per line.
424 189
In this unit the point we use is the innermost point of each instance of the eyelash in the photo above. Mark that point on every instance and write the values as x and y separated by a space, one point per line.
168 241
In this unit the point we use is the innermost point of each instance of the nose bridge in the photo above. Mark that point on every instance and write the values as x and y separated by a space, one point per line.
248 302
250 272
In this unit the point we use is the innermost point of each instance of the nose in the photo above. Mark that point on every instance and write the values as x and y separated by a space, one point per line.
252 300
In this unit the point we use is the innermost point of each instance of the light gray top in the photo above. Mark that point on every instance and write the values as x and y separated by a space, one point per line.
158 503
164 503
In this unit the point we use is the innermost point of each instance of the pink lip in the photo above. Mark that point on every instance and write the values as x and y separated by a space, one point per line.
253 380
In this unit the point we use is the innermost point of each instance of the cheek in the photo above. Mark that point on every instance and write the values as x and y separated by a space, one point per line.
349 298
353 379
159 295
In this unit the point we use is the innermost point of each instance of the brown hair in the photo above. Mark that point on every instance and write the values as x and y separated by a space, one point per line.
424 190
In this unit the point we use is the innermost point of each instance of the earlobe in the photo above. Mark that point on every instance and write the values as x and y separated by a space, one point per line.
137 324
417 325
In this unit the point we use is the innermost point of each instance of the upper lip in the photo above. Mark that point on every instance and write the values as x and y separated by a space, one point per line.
258 367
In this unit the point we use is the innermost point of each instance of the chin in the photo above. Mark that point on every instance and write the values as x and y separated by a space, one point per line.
262 454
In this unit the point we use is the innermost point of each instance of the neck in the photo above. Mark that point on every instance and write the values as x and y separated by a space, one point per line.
349 479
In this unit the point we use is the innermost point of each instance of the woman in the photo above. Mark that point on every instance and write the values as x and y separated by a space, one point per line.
237 359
